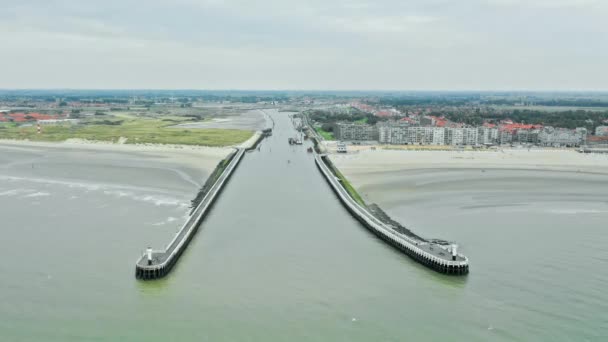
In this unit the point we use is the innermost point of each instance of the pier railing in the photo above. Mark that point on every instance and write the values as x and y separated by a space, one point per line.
184 235
380 228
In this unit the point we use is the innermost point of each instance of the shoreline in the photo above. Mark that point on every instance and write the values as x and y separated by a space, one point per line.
367 163
185 166
105 145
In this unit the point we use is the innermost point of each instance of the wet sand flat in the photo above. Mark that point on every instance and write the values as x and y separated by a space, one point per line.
361 166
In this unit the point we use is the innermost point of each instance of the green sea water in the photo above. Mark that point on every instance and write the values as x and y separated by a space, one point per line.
279 259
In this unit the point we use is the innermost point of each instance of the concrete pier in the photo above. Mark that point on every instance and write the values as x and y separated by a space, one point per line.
155 264
435 256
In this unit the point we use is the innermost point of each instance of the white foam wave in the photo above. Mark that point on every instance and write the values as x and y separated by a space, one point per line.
14 192
119 193
577 211
130 192
83 185
161 201
168 220
157 200
38 194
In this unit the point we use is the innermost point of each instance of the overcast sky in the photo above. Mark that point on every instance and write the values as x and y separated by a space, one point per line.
317 44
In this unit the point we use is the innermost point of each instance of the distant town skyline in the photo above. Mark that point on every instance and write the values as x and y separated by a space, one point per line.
434 45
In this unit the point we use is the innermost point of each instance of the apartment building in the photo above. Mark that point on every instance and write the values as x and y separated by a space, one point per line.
438 136
455 136
356 132
562 137
487 135
470 136
601 131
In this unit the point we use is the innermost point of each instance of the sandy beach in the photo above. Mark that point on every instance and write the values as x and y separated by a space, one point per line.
395 178
142 188
151 176
361 164
201 158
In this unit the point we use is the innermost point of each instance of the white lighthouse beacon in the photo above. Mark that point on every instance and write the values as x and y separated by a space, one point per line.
149 253
454 251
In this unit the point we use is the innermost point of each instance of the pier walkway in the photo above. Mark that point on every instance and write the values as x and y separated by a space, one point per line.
430 254
163 260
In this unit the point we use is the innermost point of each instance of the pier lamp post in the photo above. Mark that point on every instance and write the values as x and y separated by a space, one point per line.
454 251
149 253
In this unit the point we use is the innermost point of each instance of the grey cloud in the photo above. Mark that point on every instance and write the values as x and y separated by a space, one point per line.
364 44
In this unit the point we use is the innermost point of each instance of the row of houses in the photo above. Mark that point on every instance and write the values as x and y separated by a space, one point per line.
400 133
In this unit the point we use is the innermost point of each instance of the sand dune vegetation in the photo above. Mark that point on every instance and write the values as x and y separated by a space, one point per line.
129 131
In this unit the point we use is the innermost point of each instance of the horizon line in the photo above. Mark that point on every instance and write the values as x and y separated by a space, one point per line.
314 90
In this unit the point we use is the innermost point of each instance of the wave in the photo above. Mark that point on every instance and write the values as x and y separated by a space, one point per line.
14 192
28 193
168 220
576 211
118 191
87 186
80 185
157 200
38 194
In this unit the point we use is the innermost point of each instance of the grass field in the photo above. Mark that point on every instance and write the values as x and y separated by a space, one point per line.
136 131
325 134
350 188
346 184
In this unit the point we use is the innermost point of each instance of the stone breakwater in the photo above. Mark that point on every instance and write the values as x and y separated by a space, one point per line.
436 256
154 264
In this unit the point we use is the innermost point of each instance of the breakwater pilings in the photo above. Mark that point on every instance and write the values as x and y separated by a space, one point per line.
154 264
257 139
435 256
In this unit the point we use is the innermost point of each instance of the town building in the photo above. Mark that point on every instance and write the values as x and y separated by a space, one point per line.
562 137
400 133
355 132
455 136
393 133
505 137
526 136
487 135
403 132
469 136
438 136
57 121
601 131
419 135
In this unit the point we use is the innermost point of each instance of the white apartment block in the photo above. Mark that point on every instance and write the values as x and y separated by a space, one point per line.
402 134
487 135
420 135
558 137
438 136
505 137
469 136
396 135
455 136
346 131
601 131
